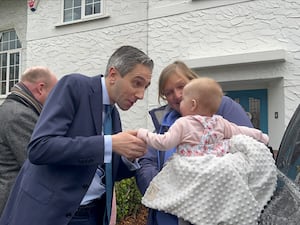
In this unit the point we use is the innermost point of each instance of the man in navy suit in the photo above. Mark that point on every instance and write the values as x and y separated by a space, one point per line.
62 181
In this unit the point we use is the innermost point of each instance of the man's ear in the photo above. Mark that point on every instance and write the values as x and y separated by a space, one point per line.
194 105
40 87
112 74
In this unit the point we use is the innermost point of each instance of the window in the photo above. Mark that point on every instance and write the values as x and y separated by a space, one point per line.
79 9
10 51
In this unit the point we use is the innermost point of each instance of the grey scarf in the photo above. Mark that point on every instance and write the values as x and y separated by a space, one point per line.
22 94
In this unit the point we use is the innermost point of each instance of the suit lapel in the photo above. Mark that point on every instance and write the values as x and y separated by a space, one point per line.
96 103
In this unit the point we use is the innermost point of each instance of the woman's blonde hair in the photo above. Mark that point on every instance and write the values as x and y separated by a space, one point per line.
177 67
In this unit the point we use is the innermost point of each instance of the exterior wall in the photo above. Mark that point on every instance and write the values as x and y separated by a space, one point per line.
85 47
199 30
249 26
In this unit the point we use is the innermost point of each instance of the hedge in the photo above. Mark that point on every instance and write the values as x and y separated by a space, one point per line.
128 198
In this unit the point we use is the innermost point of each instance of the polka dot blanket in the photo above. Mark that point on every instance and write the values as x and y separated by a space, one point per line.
211 190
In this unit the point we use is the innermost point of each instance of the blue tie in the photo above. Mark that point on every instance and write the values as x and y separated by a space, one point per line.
108 167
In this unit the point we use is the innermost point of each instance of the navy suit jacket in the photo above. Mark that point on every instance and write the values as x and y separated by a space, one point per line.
65 149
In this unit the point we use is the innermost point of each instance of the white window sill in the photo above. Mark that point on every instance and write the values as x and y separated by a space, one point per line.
83 20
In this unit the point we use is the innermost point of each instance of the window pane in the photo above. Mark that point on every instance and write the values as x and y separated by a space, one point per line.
12 35
68 15
254 109
3 88
18 44
5 46
77 3
72 10
5 36
12 45
4 59
88 1
11 84
17 58
92 7
3 74
17 73
97 8
11 59
88 10
11 73
77 13
68 4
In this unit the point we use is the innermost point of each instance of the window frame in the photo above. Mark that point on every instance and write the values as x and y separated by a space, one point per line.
83 17
8 66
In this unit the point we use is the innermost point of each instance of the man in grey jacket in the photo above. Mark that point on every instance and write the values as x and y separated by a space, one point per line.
18 116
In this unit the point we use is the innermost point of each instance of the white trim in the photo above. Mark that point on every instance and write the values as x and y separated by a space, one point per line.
238 58
86 19
188 6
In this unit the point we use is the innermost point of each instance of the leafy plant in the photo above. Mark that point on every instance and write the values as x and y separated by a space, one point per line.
128 198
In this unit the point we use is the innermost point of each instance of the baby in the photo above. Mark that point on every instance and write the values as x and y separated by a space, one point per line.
221 173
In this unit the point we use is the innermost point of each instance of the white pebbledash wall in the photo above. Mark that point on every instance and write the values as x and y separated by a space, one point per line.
244 44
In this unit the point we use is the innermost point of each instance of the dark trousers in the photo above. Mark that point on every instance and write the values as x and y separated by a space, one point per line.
90 214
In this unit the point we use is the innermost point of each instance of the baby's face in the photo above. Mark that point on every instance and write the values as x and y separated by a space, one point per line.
186 104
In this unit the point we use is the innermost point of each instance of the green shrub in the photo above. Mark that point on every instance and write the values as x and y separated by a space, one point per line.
128 198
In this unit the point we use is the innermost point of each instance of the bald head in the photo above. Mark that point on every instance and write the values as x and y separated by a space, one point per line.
40 81
34 74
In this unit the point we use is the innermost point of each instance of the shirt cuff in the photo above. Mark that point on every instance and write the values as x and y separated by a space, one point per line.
131 165
107 148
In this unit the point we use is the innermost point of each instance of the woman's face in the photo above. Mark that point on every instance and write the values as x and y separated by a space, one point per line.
173 90
186 104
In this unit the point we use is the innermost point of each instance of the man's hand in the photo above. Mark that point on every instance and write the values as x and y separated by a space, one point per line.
128 145
132 132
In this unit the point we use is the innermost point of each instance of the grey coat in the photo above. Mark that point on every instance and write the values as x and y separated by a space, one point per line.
17 122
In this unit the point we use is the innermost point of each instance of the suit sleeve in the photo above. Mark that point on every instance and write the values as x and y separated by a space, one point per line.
65 132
